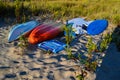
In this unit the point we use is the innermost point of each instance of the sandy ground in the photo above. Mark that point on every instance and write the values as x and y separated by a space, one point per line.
36 65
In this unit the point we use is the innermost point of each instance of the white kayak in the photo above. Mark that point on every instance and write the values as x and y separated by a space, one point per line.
21 29
78 23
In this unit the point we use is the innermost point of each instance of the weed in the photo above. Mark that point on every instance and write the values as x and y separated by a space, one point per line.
90 65
68 34
105 42
23 42
69 37
82 75
91 46
49 52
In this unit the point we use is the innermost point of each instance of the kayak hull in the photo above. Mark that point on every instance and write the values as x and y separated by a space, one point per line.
44 32
21 29
97 27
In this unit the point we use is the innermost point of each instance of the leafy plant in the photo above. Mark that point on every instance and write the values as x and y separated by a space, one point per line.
105 42
70 55
23 42
69 37
68 33
90 65
82 75
91 47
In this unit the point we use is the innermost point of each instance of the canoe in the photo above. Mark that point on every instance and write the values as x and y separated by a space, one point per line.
21 29
44 32
97 27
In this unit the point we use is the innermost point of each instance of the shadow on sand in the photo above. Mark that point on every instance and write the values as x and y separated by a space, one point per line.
110 67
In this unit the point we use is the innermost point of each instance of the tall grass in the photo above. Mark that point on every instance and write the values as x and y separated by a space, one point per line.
66 9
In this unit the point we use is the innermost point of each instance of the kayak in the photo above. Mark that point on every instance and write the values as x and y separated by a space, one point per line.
97 27
78 24
21 29
54 46
44 32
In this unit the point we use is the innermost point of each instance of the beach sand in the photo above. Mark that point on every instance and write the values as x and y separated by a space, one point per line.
34 64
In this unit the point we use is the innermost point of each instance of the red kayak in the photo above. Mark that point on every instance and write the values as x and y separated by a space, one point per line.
44 32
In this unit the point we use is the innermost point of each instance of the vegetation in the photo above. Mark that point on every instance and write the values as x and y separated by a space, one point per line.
69 37
64 10
23 43
82 75
91 46
105 42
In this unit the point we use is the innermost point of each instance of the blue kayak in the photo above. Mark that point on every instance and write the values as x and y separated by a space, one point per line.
97 27
21 29
52 45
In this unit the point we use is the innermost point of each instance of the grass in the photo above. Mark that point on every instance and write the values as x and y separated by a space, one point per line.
59 9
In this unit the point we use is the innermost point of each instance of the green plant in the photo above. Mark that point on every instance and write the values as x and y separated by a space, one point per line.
70 55
90 65
68 33
91 47
69 37
82 75
23 42
49 52
105 42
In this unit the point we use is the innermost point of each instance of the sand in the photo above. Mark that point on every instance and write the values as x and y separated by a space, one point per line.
34 64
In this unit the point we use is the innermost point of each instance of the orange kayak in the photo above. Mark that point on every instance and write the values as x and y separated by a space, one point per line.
44 32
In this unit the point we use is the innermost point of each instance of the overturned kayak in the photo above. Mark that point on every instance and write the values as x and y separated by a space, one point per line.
21 29
97 27
45 32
